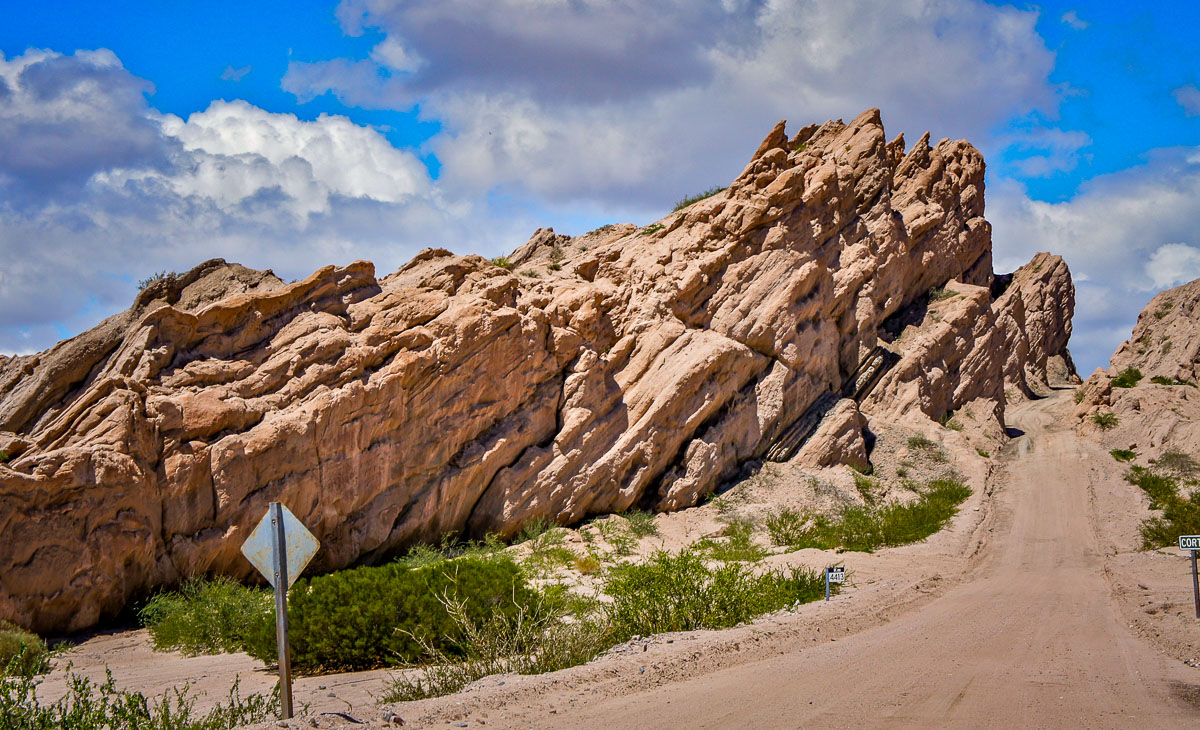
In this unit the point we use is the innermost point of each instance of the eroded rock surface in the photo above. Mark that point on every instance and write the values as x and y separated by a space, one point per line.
1151 417
624 367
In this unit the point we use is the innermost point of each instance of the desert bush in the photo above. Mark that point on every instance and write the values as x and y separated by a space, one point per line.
681 593
1127 378
650 230
22 652
547 553
982 453
380 616
1160 488
697 198
90 705
1180 517
1163 380
503 262
554 266
738 544
866 486
155 278
641 523
534 528
1079 395
205 616
786 527
864 528
1106 421
920 443
587 564
1179 463
533 640
1123 454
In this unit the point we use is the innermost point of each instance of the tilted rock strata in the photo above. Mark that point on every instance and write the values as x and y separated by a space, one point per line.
624 367
1166 338
1152 417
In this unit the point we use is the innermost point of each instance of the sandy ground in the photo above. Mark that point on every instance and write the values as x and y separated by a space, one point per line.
1034 609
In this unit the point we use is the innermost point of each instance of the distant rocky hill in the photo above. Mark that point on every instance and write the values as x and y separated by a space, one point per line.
839 279
1157 403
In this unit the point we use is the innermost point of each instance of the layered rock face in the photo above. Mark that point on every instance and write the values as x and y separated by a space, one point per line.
629 366
1152 417
1166 338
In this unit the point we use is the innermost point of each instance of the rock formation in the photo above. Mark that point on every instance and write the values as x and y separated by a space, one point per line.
629 366
1152 416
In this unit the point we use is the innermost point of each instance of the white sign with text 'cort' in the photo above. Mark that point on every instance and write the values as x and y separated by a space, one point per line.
1189 542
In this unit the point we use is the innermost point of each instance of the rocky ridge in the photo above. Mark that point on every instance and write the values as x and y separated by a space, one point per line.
629 366
1151 417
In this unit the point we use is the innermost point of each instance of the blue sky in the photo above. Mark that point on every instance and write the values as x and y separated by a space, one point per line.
137 137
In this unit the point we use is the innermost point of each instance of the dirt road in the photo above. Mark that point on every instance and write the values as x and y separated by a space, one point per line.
1033 640
1030 637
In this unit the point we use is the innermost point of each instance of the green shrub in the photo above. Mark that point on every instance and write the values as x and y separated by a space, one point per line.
155 278
554 266
1127 378
866 487
697 198
534 528
1179 463
423 554
982 453
786 527
864 528
1079 395
1106 421
90 705
668 593
22 652
947 421
371 617
681 593
205 616
4 457
1160 488
1123 454
650 230
641 523
920 443
546 553
534 640
503 262
939 293
738 544
1163 380
1179 517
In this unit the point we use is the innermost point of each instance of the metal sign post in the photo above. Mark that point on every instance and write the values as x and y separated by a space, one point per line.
1192 544
834 574
281 618
279 547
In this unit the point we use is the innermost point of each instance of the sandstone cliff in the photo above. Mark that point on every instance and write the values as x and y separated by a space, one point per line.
629 366
1152 417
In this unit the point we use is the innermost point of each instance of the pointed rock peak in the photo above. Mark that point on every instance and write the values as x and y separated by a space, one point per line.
803 136
776 139
870 117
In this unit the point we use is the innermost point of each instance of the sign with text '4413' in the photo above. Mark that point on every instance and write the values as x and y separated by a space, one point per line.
299 546
836 574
